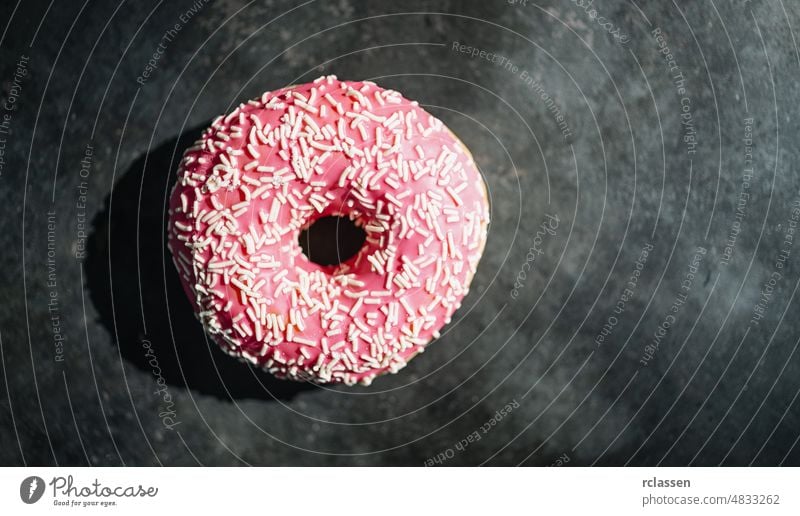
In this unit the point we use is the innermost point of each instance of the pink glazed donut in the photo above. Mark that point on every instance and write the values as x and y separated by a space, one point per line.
260 175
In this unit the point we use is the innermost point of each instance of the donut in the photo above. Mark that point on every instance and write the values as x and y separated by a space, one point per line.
274 166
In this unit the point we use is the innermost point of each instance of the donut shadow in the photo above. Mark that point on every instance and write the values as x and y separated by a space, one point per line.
137 292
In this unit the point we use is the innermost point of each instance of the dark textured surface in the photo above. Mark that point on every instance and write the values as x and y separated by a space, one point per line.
721 387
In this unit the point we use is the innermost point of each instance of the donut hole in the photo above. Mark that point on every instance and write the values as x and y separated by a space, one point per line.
331 240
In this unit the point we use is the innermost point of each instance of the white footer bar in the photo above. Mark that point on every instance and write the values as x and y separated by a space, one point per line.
400 491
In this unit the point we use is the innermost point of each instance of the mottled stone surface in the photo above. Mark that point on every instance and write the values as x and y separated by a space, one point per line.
629 143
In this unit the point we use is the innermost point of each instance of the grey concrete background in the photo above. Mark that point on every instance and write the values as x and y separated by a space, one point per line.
722 386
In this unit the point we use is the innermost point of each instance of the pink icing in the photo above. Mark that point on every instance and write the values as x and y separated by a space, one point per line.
261 174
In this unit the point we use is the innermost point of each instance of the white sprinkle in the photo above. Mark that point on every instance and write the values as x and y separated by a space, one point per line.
273 211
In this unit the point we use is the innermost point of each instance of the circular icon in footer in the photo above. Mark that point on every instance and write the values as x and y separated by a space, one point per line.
31 489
